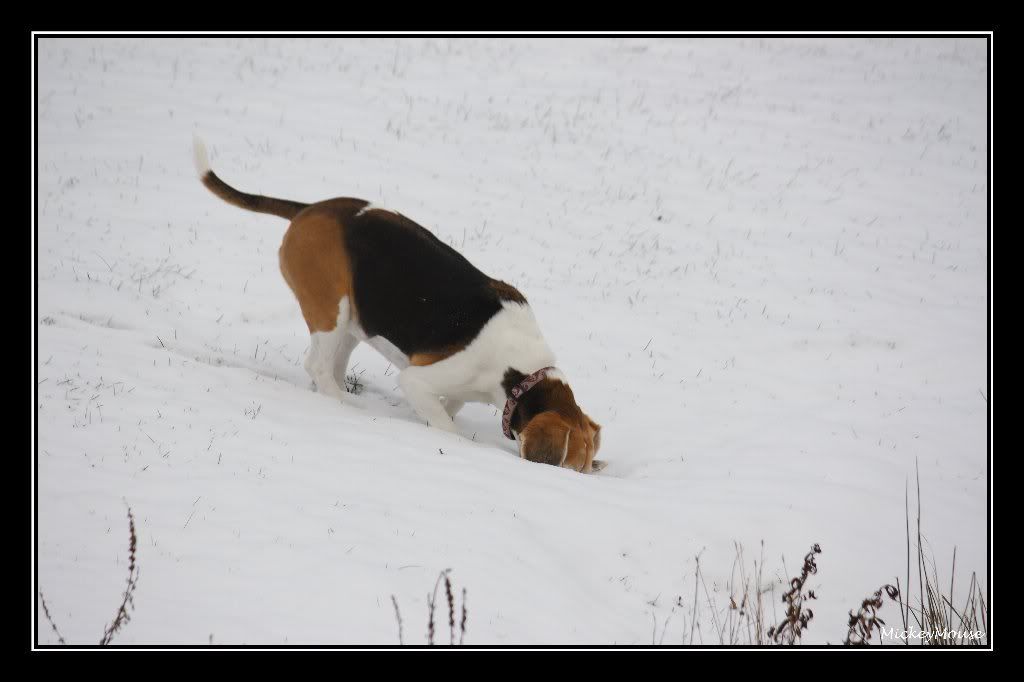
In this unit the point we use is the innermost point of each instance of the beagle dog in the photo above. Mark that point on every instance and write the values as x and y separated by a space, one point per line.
364 273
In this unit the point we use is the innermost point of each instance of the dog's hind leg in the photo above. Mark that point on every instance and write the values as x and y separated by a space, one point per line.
329 351
315 265
320 363
347 344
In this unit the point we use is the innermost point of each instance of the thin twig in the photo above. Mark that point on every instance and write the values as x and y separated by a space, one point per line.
53 625
462 623
398 617
128 602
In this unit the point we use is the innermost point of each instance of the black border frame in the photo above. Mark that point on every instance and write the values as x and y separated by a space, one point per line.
22 56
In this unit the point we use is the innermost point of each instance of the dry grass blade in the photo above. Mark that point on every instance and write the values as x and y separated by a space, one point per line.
935 620
53 625
462 623
865 621
745 619
398 617
451 609
128 600
797 616
431 601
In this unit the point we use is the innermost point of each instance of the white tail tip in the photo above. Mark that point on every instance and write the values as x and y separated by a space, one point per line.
199 155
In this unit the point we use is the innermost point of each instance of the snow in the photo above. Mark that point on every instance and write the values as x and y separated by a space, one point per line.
761 263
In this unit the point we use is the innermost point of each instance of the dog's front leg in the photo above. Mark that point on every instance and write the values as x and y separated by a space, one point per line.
452 406
425 397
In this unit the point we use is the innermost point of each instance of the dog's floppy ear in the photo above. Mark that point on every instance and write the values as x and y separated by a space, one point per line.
545 439
595 429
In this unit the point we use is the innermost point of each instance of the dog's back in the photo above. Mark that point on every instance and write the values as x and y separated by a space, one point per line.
413 289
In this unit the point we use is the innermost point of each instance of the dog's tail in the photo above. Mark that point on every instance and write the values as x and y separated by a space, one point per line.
253 202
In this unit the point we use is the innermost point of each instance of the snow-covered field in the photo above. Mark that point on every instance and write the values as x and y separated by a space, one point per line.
762 264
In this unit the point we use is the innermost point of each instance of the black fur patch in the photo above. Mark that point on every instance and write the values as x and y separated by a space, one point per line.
413 289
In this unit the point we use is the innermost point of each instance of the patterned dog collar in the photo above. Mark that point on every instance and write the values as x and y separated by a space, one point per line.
517 392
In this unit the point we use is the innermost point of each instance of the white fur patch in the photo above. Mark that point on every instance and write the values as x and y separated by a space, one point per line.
200 157
329 352
509 339
323 348
389 350
557 375
374 207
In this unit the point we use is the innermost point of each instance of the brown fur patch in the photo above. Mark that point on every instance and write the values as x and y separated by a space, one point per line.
595 433
554 396
507 292
423 359
316 266
584 440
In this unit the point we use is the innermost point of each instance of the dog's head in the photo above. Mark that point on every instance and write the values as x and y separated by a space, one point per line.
567 438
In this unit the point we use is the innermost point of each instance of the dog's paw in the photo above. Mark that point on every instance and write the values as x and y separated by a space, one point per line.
597 464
